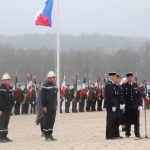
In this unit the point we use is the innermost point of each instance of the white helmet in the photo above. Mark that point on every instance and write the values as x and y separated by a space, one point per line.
51 74
6 76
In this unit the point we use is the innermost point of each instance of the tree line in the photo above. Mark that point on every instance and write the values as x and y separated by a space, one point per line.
91 61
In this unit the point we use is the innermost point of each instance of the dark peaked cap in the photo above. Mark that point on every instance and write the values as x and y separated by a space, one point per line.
112 73
129 74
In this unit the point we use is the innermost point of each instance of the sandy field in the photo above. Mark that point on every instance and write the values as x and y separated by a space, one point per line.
79 131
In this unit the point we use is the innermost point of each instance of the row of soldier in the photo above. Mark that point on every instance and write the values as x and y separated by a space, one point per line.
74 100
85 99
24 103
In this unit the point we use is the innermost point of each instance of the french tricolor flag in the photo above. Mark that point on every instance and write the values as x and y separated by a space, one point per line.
43 17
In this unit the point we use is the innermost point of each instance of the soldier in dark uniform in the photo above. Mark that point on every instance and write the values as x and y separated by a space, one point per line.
25 103
33 101
93 108
68 99
83 97
90 97
75 100
6 104
49 104
111 105
100 97
121 103
17 100
133 99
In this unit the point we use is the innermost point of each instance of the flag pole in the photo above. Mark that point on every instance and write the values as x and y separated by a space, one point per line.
58 67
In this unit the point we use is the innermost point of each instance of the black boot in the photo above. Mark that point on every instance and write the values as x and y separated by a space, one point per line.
3 138
8 140
52 138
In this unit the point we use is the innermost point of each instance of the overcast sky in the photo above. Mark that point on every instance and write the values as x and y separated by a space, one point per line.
116 17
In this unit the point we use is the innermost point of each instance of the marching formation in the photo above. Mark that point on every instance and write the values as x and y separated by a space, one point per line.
122 98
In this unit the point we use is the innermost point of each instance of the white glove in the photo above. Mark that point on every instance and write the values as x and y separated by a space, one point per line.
122 107
113 109
140 108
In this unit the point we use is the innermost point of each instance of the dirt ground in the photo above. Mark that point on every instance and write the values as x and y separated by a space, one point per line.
79 131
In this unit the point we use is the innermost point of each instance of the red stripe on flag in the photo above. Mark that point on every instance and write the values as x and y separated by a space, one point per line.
43 21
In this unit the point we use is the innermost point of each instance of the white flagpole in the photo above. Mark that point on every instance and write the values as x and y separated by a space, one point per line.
58 68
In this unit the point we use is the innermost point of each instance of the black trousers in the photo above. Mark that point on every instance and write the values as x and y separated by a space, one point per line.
88 105
48 122
81 105
93 105
17 108
132 117
67 105
112 127
33 108
74 106
99 105
4 121
25 108
41 122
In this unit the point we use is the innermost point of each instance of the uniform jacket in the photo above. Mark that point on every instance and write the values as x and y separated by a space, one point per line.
49 95
133 95
110 95
119 95
68 95
6 98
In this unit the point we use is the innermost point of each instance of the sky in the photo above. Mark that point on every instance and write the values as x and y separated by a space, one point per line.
115 17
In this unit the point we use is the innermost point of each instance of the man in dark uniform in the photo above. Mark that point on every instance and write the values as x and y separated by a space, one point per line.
75 100
100 97
49 104
94 98
17 100
25 102
111 105
121 103
6 104
68 99
33 100
90 97
133 99
83 97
